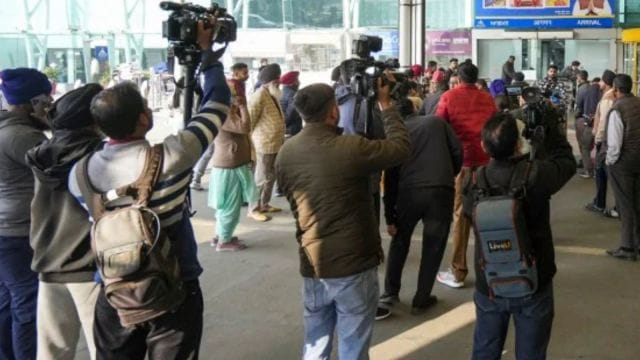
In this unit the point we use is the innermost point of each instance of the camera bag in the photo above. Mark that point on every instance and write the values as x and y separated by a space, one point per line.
506 255
133 254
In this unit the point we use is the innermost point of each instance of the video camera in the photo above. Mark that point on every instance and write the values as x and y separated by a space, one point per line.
539 114
181 28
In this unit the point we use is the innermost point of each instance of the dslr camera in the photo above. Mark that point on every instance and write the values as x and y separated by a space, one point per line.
181 28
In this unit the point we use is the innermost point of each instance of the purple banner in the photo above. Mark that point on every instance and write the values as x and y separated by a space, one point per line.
448 43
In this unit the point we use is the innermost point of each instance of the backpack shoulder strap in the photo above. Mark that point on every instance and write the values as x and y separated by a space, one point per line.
142 188
519 179
92 198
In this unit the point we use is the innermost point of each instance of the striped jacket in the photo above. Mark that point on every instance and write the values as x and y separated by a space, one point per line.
120 164
267 122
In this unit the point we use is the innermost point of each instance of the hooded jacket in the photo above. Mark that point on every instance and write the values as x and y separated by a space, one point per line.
18 134
60 230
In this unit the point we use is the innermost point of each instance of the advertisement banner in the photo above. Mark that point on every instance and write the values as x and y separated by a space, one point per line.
390 44
447 43
544 14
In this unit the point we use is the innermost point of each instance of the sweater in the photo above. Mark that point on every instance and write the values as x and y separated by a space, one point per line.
325 177
120 164
18 134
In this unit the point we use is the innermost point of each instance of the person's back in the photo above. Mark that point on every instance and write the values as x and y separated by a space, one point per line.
325 177
533 314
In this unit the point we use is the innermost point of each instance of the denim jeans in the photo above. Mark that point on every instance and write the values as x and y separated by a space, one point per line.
18 299
532 315
345 305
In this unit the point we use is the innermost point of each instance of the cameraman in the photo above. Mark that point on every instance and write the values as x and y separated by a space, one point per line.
122 114
533 315
325 177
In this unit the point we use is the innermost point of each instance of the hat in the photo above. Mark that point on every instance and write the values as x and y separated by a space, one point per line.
608 76
23 84
438 76
269 73
497 87
416 69
72 110
289 78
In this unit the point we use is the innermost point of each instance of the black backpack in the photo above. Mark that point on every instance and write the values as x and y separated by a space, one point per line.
506 254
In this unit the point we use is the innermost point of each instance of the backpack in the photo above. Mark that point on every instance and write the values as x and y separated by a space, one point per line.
134 256
506 254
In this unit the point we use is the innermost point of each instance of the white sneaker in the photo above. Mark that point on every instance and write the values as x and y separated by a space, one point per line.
447 278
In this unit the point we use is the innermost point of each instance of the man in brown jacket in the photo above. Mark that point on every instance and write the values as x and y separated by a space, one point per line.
267 133
325 177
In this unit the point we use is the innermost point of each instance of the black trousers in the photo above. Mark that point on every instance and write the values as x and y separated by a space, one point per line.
434 207
601 177
626 188
175 335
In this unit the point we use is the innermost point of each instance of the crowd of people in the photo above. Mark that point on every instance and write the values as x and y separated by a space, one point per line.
61 272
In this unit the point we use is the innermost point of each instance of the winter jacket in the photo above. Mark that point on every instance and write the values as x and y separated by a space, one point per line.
292 119
60 229
17 135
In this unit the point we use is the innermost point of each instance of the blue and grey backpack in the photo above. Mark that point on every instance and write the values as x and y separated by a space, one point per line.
506 255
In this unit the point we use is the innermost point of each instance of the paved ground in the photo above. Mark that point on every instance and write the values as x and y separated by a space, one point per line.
253 297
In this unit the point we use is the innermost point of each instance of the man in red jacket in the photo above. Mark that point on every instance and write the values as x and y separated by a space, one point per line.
467 109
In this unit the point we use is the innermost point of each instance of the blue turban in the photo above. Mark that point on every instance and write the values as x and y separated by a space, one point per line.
21 85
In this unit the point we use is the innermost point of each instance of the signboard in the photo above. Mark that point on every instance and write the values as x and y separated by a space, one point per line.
447 43
544 14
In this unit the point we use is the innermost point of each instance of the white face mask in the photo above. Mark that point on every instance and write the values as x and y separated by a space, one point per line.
274 90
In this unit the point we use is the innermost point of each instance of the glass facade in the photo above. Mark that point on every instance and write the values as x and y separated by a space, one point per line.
448 14
629 13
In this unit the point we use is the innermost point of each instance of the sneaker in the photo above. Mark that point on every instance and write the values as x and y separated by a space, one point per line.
215 240
611 213
447 278
594 208
195 185
233 245
258 216
389 300
419 310
382 313
271 209
623 254
585 175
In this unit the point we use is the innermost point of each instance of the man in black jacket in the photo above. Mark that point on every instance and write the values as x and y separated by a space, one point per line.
533 314
60 230
292 120
415 192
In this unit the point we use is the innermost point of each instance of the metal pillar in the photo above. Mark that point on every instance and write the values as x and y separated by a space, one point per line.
134 13
36 45
77 18
404 28
245 14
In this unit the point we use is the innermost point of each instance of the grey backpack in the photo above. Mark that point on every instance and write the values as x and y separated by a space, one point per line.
134 256
506 254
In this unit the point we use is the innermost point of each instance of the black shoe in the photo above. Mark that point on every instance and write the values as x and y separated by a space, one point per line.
622 253
594 208
382 313
389 300
419 310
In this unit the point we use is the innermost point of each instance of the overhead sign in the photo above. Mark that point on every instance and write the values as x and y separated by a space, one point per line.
448 43
544 14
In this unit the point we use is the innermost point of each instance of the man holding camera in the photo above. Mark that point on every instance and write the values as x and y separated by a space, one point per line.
21 128
623 160
467 109
122 114
533 314
325 177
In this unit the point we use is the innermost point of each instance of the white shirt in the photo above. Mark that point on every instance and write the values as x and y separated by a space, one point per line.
615 133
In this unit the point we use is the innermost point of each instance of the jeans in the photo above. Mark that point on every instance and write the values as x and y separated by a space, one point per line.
346 305
175 335
201 165
18 298
532 315
433 206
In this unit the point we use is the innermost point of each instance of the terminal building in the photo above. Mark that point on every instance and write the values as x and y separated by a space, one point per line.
314 36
